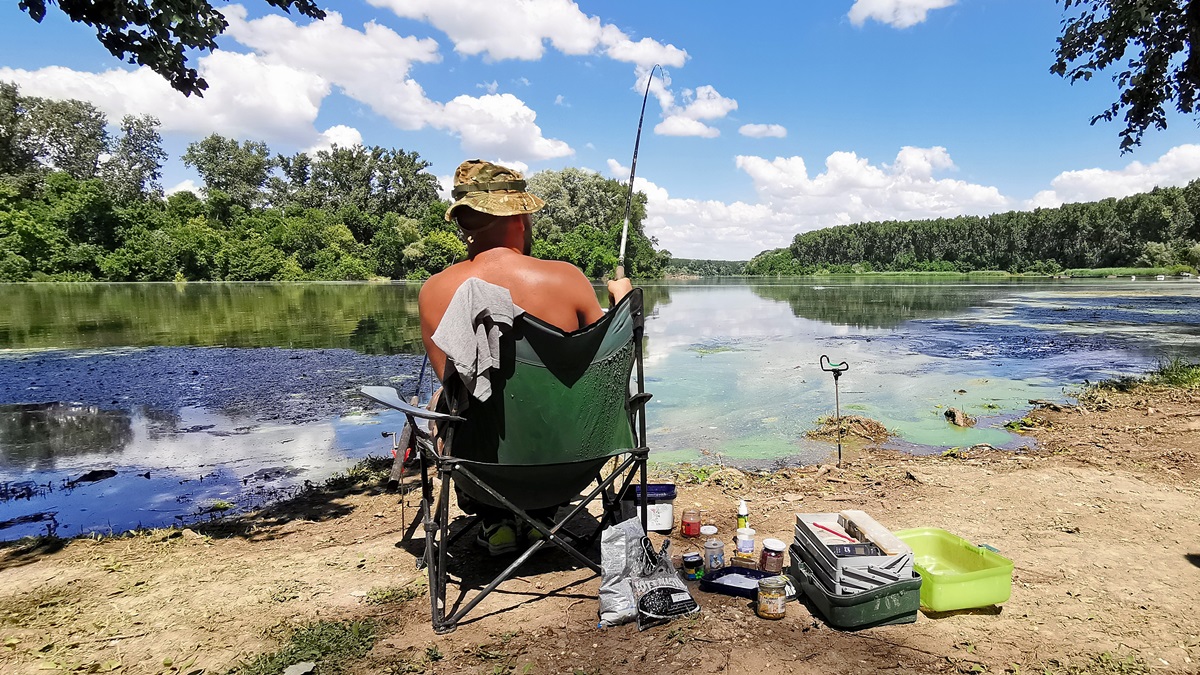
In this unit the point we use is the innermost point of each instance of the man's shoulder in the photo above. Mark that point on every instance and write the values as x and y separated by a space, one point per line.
448 279
558 267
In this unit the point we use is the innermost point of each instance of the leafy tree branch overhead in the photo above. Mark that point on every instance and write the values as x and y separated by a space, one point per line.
157 33
1162 68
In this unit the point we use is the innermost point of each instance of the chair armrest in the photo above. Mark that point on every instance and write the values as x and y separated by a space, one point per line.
640 399
389 397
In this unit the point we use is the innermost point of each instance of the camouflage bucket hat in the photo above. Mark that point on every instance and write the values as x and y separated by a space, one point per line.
491 188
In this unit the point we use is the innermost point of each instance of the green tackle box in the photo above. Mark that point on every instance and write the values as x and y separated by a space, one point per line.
892 603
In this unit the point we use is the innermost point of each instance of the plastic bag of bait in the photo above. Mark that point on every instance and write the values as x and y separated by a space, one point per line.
637 582
662 596
618 556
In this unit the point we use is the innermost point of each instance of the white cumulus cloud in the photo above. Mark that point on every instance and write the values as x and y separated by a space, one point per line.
499 124
895 13
704 103
339 135
790 200
283 106
677 125
374 66
763 130
188 185
1177 166
522 28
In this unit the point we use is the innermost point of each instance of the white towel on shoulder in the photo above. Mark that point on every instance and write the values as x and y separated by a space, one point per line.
470 332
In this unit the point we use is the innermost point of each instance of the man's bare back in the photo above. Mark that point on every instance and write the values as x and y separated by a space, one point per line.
493 211
555 292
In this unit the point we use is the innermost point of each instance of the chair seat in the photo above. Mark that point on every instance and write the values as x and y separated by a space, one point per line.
531 487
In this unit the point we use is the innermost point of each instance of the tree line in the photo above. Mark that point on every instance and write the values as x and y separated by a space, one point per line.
1160 228
79 202
689 267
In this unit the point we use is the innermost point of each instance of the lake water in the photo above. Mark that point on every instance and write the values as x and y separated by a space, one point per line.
733 367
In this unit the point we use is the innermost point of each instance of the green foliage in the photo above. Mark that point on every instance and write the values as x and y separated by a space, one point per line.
238 170
371 470
135 166
1177 372
329 644
1101 272
341 214
69 136
386 595
774 263
582 224
1158 227
705 268
1162 68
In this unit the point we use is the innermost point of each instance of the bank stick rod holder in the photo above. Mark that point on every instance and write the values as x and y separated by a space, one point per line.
837 369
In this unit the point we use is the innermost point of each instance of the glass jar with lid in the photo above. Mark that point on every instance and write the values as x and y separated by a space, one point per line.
772 597
771 558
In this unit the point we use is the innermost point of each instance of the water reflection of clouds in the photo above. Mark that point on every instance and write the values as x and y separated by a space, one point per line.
710 315
167 472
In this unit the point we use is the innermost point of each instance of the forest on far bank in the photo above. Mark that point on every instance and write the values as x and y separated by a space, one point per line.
1157 229
78 203
82 201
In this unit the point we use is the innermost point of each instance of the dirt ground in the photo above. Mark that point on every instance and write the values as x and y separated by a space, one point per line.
1099 515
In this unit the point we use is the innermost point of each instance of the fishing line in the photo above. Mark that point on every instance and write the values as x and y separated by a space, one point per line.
633 169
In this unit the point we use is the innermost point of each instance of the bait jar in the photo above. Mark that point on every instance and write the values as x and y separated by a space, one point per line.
771 559
772 597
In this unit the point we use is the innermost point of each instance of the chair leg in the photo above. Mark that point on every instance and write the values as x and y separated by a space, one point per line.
438 539
437 568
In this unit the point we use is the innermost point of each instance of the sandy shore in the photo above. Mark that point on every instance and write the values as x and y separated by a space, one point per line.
1100 517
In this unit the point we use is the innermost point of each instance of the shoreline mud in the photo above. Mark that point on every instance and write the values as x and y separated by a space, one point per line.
1099 519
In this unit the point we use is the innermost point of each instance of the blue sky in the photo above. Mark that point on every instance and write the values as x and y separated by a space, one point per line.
775 117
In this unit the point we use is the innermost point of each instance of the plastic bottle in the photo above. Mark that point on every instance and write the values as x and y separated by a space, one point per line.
743 515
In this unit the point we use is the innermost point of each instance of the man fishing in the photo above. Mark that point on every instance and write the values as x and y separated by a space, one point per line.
493 210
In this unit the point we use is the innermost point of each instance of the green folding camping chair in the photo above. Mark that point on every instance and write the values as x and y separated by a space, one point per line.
560 409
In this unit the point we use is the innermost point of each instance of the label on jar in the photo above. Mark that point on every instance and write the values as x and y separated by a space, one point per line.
772 606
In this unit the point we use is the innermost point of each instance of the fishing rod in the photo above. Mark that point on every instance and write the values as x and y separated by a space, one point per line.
633 169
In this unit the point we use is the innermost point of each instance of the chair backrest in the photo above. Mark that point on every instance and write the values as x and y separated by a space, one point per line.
559 409
559 398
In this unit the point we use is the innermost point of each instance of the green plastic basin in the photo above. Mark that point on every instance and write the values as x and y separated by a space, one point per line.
955 573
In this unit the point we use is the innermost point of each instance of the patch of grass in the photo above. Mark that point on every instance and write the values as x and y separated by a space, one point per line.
1178 372
1022 424
386 595
1100 664
329 644
697 475
45 605
682 633
1101 272
371 470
